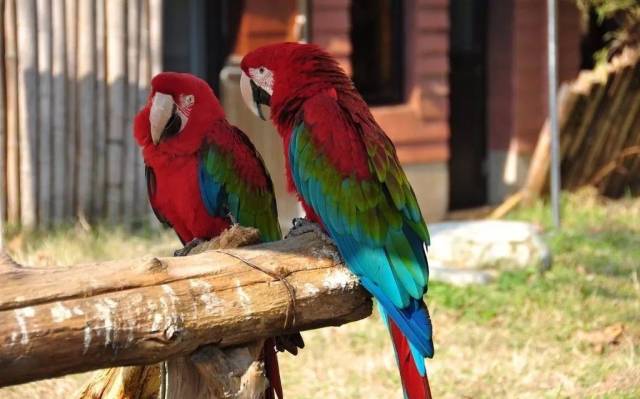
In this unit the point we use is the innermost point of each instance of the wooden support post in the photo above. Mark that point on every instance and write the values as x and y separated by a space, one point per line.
147 310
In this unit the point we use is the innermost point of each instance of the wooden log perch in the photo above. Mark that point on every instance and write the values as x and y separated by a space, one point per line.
55 321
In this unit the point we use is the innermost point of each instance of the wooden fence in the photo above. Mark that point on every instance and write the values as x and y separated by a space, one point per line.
602 125
599 120
74 73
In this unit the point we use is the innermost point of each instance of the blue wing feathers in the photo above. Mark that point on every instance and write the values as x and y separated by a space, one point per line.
211 192
392 268
417 246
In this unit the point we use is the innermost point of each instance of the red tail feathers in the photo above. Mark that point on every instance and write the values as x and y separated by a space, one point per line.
272 370
415 386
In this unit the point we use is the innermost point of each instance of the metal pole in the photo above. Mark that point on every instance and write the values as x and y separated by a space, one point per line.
552 74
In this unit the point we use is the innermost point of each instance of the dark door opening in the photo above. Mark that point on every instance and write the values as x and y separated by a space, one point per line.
199 35
467 104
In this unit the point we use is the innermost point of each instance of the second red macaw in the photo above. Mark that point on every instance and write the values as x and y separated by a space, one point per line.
347 175
203 174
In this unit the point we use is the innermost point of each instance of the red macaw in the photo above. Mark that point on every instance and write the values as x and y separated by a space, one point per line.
347 176
203 173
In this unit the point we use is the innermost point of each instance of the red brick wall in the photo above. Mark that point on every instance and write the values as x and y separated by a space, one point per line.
517 68
430 55
499 69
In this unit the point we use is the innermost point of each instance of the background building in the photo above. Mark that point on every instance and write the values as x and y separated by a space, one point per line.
459 86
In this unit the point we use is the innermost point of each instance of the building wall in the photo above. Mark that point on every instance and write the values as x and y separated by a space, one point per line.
517 81
419 126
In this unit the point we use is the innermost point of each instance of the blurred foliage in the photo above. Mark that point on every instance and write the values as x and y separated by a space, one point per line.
622 18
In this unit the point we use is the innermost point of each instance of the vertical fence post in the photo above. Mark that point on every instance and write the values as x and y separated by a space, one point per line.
12 115
86 97
45 133
27 49
3 127
116 31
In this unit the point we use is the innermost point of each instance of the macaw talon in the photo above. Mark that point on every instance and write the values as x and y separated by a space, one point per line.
290 343
188 247
232 218
304 225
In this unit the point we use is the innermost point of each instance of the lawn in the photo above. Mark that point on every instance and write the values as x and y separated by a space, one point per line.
573 331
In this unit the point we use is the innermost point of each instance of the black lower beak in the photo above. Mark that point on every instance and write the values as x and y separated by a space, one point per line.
172 127
260 97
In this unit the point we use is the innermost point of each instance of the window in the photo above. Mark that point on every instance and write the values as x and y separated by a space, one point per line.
377 53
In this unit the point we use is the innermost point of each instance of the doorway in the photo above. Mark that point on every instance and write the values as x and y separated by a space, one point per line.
467 104
199 35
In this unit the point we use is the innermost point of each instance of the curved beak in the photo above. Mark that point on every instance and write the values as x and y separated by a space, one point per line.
253 95
163 117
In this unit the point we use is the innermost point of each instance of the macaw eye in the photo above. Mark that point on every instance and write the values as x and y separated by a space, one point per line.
188 100
261 70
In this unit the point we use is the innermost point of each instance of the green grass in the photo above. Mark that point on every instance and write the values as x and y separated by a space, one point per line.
520 336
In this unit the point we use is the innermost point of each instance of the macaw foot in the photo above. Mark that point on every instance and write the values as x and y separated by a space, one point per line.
188 247
304 225
290 343
232 218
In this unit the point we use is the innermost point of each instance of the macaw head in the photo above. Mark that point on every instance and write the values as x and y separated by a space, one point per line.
284 74
179 109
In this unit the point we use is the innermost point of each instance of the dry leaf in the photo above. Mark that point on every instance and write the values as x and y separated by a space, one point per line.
610 335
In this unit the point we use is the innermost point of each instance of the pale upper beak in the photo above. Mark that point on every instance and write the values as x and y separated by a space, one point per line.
247 95
253 95
162 108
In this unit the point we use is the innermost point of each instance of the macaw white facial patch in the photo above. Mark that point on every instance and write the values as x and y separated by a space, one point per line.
263 77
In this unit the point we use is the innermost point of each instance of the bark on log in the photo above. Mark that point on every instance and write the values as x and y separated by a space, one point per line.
56 321
208 373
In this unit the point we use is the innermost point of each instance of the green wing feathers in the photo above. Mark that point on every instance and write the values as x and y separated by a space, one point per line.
225 192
